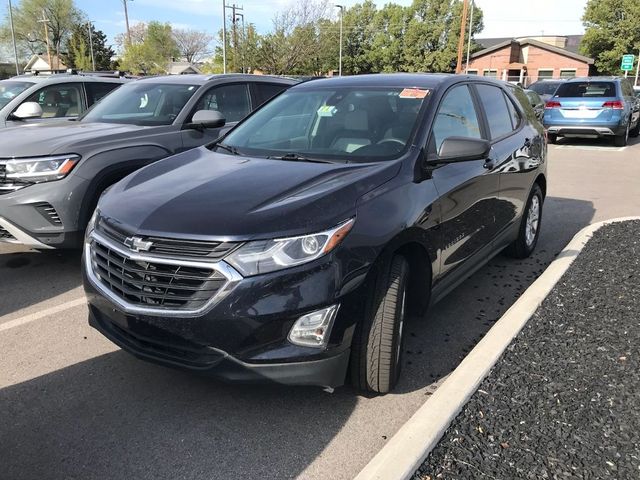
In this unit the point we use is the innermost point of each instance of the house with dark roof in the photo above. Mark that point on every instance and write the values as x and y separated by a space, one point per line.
528 59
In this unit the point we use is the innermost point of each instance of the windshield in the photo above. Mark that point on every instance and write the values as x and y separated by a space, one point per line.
142 103
10 89
341 124
586 89
545 88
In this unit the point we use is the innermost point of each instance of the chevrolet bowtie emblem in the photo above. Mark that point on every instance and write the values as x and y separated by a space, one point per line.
137 244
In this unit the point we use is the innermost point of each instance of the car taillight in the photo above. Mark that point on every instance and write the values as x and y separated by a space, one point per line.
552 104
615 104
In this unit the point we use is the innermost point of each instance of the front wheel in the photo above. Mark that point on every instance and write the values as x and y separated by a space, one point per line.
529 230
376 355
635 131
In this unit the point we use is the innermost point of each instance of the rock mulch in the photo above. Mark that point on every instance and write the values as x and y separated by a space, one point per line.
564 400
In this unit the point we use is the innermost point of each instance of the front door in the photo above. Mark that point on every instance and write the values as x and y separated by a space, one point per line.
468 190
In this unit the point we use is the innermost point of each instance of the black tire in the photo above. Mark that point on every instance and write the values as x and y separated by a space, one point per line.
376 354
621 140
524 245
635 131
552 138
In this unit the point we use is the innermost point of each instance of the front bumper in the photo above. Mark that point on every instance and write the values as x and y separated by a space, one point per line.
326 372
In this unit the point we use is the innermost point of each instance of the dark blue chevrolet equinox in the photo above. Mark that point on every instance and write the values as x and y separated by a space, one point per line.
292 249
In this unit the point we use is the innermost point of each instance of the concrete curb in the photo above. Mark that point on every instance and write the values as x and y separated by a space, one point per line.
407 449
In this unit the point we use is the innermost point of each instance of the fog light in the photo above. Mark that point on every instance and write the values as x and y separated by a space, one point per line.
313 329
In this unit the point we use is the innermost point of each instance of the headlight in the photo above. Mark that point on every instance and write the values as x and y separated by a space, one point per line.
43 169
92 222
269 255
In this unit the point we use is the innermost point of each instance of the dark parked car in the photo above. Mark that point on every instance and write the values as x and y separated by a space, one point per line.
293 249
29 99
546 87
51 175
536 103
593 107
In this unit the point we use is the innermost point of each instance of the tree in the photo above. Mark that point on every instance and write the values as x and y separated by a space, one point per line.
431 38
192 44
359 31
138 33
151 55
612 28
61 16
78 49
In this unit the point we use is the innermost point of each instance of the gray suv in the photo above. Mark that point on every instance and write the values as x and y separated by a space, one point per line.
52 174
30 99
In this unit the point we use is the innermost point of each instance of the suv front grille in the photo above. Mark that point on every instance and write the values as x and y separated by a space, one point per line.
168 247
7 185
154 285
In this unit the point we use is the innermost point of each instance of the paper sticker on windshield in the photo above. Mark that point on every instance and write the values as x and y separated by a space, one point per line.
413 93
327 111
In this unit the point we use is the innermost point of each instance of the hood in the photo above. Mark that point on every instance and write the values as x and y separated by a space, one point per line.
200 194
65 137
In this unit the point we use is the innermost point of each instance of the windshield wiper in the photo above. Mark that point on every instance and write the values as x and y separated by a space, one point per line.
296 157
228 148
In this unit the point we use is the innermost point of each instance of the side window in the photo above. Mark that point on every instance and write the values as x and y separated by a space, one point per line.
230 100
62 100
266 91
495 106
456 117
515 115
96 90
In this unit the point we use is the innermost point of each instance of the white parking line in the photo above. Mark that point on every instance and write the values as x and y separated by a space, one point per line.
43 313
596 148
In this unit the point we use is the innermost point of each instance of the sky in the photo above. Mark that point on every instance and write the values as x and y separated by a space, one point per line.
501 18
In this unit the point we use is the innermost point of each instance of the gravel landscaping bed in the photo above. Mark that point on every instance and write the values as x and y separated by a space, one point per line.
564 400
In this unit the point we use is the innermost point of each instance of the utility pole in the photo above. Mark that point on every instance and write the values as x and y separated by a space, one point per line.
466 67
93 60
341 7
463 24
234 20
126 21
224 37
13 37
45 20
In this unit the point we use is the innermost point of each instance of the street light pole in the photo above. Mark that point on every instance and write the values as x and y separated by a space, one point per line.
93 60
13 37
341 7
224 37
126 20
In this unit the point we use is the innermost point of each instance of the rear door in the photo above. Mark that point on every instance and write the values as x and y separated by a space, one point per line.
468 190
233 100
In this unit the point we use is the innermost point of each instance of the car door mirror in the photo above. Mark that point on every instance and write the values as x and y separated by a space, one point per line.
207 119
461 149
28 110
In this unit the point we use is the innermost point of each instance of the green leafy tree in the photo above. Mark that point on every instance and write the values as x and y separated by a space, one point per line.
150 54
387 48
612 28
60 15
78 49
431 37
359 31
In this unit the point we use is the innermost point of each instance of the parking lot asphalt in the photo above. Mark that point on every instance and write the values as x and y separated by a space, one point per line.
72 405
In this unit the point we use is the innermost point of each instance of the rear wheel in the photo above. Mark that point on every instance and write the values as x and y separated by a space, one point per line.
529 230
635 131
376 355
552 138
621 140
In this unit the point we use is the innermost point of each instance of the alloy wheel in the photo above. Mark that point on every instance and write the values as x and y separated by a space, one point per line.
533 219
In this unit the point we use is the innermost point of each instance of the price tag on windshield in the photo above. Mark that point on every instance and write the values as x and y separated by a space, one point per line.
414 93
327 111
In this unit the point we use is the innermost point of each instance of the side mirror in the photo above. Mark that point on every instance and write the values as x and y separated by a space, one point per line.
28 110
207 119
462 149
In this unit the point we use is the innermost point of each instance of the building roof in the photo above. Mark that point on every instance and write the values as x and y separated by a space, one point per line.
572 43
179 68
530 41
59 64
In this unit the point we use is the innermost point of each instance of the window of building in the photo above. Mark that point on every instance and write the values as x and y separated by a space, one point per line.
490 73
567 72
545 73
472 72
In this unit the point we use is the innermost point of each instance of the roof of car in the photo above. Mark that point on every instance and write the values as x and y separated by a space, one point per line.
423 80
202 79
65 78
594 79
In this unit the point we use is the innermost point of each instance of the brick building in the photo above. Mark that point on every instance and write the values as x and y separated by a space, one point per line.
528 59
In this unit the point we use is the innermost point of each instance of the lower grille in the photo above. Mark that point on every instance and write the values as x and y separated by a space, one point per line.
154 284
5 235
